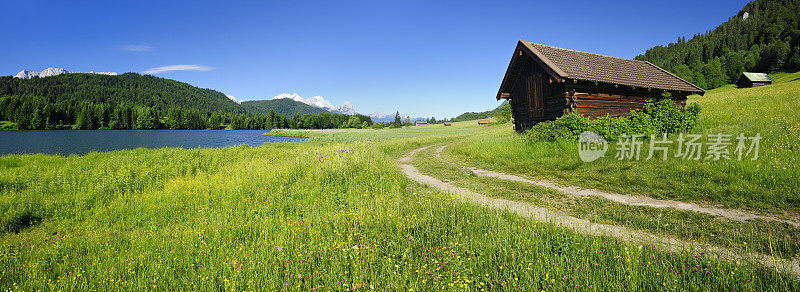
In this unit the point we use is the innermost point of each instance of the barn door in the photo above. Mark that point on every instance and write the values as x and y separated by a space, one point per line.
535 95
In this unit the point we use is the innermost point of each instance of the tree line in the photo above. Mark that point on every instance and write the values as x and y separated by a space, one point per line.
763 37
497 112
31 112
130 88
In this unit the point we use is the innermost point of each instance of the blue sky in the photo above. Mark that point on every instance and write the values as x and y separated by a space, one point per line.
423 58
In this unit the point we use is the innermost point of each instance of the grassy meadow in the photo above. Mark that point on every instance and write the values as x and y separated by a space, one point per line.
758 235
335 214
768 184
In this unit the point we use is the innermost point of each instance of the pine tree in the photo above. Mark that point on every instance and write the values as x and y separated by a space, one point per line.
145 119
37 121
397 120
270 118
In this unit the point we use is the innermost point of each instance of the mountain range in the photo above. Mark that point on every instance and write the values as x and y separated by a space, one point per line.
25 74
320 102
388 118
144 90
288 104
58 86
283 106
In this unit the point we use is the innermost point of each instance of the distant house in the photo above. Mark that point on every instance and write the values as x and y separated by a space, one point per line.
446 124
486 121
750 79
420 123
543 82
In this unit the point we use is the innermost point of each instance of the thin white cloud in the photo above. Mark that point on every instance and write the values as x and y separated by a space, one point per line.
137 48
162 69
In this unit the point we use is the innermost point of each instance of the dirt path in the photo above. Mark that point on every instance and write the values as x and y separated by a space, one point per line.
732 214
586 227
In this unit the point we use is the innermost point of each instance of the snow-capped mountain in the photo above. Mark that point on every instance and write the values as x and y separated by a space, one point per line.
378 116
25 74
320 102
388 118
103 73
52 72
233 98
346 108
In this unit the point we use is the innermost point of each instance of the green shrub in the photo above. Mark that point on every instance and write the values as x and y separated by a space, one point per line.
608 126
7 125
659 117
567 127
638 122
691 115
505 113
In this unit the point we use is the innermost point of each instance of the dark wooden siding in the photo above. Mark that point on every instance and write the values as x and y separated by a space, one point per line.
599 104
537 97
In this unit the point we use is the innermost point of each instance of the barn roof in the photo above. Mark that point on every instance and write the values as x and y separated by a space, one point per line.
569 64
757 77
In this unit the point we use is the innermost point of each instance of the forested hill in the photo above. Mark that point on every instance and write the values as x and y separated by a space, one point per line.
129 88
480 115
132 101
764 36
282 106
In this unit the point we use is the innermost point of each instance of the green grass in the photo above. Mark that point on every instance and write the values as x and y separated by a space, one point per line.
284 133
320 215
776 239
394 142
768 184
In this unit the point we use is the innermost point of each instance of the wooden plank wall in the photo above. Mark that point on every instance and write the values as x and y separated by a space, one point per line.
601 104
554 99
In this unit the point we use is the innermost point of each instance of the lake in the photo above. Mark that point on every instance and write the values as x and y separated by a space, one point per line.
82 142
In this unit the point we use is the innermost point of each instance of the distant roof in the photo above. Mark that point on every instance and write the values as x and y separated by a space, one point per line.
595 67
757 77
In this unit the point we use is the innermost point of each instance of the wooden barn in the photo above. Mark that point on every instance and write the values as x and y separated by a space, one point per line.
486 121
750 79
420 123
544 82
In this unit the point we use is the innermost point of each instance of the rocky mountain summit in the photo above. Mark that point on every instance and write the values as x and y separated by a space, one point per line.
25 74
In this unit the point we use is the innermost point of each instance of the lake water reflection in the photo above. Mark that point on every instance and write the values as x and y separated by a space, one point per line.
82 142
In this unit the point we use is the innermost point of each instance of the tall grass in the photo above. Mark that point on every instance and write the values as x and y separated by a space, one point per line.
761 236
300 216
